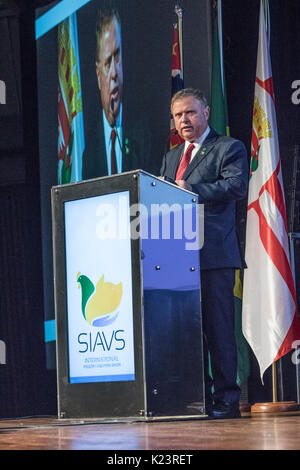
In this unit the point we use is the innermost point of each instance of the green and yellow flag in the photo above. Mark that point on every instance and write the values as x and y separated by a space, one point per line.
219 121
218 112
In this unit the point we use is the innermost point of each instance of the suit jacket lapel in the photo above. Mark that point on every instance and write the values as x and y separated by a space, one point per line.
201 154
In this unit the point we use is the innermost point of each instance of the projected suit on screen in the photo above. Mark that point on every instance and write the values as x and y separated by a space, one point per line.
114 145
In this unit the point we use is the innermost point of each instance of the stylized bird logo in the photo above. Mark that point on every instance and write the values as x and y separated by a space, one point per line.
98 303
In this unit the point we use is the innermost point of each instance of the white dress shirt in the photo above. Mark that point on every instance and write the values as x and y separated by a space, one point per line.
107 135
198 143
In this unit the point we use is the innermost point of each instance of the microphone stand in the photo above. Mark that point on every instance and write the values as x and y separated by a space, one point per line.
114 126
167 145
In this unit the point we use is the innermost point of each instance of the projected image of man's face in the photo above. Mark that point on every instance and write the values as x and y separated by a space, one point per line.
109 70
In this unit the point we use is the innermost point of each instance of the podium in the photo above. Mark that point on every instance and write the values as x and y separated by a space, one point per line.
127 299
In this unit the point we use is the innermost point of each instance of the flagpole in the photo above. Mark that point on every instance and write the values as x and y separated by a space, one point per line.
178 11
267 24
274 382
274 406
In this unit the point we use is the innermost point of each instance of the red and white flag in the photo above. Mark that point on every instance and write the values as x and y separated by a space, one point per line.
270 315
177 73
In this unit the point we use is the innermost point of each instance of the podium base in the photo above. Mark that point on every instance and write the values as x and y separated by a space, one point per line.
274 407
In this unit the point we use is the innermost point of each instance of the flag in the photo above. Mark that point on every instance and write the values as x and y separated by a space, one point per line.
243 367
270 315
177 80
218 113
70 118
219 121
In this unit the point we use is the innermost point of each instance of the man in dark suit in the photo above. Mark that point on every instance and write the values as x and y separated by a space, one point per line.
216 168
113 145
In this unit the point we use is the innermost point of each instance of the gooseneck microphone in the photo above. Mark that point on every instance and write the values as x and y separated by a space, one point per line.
112 103
167 148
167 144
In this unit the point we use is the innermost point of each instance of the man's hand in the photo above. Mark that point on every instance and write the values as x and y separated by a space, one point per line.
184 185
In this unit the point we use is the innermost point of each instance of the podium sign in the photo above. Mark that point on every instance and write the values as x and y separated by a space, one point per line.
127 298
99 280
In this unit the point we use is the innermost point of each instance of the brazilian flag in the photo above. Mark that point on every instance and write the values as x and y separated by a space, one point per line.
219 121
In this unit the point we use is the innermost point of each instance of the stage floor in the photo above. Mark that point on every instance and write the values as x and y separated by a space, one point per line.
248 433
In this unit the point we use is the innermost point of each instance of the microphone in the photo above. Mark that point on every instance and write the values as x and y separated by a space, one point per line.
114 123
167 144
167 148
112 102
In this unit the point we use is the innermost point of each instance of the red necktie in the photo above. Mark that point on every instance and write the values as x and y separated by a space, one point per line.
184 161
113 160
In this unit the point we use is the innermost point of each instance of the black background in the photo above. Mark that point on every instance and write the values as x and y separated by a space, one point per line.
28 152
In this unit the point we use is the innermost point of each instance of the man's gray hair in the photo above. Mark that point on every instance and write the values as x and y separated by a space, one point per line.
105 16
198 94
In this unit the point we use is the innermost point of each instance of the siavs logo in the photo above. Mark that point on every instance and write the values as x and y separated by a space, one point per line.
98 306
2 92
101 341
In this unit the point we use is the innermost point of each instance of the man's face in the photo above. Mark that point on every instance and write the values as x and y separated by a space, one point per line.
110 71
190 117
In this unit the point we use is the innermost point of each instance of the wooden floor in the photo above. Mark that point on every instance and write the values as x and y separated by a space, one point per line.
248 433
